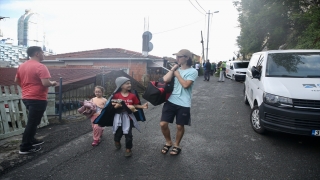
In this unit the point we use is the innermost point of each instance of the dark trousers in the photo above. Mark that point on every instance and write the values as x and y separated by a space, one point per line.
207 75
119 133
36 109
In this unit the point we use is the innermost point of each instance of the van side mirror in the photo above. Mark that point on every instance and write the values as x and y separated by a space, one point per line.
231 67
255 72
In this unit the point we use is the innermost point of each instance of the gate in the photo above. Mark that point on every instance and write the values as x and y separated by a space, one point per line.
13 113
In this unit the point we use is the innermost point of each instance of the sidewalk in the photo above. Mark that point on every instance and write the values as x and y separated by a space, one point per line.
54 135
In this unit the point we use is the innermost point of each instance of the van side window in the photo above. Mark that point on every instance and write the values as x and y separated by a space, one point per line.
253 61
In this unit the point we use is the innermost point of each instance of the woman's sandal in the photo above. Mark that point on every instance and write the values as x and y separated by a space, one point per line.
165 149
176 151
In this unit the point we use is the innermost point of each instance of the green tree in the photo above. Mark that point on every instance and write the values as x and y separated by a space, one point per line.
269 24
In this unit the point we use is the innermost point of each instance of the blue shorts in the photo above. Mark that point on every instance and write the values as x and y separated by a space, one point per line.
171 111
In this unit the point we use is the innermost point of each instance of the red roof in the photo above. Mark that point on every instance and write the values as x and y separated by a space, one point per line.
102 53
68 75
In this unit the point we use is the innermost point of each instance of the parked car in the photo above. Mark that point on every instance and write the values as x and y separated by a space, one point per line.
236 70
282 88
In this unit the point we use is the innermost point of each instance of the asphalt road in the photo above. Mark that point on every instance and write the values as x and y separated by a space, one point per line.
220 144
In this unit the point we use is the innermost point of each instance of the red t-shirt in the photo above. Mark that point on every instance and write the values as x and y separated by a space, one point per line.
30 74
131 99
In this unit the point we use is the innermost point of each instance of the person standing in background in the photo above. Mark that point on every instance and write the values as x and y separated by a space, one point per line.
198 68
207 71
222 71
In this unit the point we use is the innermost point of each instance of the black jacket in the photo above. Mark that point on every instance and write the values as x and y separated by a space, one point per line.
107 114
208 66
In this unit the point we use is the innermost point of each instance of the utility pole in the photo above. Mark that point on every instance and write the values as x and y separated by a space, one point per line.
203 58
208 31
208 34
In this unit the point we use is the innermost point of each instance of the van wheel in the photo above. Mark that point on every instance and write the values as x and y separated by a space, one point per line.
255 121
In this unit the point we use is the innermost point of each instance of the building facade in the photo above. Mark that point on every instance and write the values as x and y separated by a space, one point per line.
132 63
31 30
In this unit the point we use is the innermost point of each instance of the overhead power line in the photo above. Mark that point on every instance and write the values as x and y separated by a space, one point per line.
201 6
178 27
196 8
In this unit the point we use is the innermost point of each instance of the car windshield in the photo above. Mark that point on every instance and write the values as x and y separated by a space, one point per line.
241 65
300 65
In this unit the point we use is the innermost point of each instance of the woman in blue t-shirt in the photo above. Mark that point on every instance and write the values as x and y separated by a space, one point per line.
179 103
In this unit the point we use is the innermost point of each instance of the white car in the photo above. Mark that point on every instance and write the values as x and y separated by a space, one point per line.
282 88
236 70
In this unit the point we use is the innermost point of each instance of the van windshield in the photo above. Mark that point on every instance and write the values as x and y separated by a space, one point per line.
241 65
300 65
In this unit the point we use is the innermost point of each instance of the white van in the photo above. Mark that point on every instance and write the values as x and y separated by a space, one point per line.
236 70
282 88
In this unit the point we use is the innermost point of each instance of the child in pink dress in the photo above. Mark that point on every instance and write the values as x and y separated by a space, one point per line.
100 102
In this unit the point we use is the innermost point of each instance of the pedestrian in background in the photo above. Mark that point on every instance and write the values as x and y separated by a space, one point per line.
179 103
198 68
213 68
33 78
222 71
204 67
207 71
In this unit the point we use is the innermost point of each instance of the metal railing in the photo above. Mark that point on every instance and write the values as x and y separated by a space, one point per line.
60 101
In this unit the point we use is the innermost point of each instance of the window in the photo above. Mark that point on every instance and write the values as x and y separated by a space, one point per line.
301 65
240 65
254 60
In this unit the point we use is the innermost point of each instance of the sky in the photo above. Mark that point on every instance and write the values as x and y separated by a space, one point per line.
78 25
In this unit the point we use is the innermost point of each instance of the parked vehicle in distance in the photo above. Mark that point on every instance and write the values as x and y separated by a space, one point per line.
282 88
236 70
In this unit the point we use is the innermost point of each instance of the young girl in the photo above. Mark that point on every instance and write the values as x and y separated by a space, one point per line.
100 102
123 122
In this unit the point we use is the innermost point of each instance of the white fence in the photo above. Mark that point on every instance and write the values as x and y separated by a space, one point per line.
13 113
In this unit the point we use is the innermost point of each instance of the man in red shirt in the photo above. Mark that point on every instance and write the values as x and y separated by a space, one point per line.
33 78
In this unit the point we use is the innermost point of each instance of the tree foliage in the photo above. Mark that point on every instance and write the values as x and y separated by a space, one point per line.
271 24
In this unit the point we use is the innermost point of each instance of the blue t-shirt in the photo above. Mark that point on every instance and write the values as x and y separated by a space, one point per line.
181 96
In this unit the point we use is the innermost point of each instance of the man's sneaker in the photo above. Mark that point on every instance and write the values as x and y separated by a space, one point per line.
37 142
128 154
33 150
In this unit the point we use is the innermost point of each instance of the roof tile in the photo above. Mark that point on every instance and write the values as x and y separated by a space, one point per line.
68 75
102 53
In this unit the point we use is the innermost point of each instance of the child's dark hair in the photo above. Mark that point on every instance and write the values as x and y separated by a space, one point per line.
189 62
101 88
32 50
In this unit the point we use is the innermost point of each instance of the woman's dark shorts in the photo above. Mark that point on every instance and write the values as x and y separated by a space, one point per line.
170 111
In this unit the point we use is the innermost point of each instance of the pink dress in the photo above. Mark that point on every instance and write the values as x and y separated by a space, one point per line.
97 130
